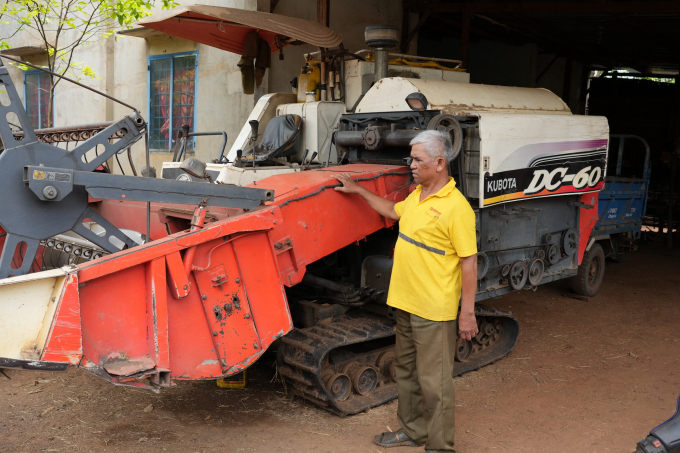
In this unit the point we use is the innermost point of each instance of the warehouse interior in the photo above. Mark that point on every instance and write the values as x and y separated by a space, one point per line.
617 59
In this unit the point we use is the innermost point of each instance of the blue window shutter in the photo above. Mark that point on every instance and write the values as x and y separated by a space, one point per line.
172 98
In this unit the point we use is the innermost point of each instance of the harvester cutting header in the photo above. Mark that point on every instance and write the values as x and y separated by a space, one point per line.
271 252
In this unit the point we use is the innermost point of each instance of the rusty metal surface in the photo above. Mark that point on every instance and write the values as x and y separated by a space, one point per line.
226 28
33 365
70 133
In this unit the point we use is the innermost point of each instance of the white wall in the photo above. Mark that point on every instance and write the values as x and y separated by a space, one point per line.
121 65
220 102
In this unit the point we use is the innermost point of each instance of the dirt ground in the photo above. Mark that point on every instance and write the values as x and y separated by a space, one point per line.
585 376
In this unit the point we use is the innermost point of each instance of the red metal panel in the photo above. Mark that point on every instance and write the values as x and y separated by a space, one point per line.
113 312
327 221
192 350
178 282
227 309
132 214
157 313
64 342
252 221
587 220
263 286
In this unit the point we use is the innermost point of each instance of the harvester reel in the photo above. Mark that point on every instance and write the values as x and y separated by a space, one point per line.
448 123
26 218
46 188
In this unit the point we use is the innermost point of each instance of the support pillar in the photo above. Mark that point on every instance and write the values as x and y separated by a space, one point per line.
322 12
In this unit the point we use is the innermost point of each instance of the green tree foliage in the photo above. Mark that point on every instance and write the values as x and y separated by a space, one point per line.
63 26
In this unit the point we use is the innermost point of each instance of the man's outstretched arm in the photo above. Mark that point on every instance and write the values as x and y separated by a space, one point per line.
467 323
383 206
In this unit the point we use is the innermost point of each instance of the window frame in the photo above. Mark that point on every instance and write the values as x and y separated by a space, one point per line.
171 57
40 75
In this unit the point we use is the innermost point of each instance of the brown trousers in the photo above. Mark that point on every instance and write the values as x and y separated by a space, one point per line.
425 351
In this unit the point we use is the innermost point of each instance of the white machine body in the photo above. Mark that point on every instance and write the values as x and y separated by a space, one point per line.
318 120
528 143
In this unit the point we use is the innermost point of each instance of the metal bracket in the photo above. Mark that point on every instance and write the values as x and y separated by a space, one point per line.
579 204
53 184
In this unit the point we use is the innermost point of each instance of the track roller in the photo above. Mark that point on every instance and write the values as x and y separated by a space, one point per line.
337 384
364 378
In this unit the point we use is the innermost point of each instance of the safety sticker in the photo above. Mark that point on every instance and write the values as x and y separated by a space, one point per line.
51 176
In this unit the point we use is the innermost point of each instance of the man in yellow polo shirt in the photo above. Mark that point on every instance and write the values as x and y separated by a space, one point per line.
434 263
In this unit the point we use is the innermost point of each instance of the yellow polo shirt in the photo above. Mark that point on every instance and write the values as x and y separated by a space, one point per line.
426 275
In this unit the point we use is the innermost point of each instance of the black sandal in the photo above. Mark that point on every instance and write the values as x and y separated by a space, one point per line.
394 439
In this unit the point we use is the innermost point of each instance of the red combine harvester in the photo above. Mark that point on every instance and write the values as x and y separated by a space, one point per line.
229 270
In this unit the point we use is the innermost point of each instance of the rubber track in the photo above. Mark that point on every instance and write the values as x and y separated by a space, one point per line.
302 352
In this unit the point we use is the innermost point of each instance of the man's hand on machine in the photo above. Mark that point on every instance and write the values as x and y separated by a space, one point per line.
467 326
382 206
348 184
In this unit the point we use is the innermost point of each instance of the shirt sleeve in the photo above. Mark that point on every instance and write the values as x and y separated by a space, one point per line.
463 232
399 207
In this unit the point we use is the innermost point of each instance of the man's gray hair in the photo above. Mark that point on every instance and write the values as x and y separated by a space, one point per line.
436 144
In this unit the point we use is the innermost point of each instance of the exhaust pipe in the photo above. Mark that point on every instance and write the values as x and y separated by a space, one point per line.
380 38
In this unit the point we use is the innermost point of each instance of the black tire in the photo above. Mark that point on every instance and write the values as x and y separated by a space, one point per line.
590 273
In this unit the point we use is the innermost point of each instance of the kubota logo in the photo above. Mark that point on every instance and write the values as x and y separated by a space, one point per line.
553 180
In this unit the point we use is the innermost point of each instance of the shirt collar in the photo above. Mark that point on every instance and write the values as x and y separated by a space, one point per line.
444 191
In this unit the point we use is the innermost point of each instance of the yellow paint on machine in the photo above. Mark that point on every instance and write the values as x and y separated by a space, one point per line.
505 197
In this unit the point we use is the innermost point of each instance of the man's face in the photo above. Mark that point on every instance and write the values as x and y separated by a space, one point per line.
425 168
